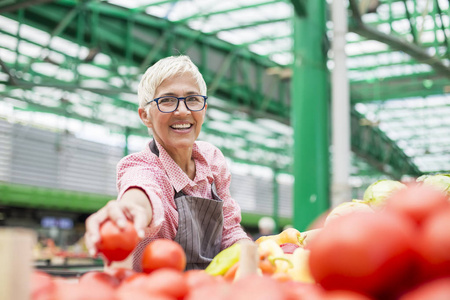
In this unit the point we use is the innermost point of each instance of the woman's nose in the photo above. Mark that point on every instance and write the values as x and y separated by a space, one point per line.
182 108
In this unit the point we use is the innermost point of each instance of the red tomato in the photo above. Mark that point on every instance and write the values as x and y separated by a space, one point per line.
115 243
217 290
99 279
434 245
196 278
97 285
134 282
167 282
140 295
344 295
67 290
121 273
42 285
163 253
369 253
417 202
298 290
257 287
438 289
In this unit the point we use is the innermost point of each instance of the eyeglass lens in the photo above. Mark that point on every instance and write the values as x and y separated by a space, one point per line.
168 104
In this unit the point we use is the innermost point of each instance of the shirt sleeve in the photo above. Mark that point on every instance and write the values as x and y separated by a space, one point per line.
232 230
134 171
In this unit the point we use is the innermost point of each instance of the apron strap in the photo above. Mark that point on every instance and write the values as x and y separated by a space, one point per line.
153 147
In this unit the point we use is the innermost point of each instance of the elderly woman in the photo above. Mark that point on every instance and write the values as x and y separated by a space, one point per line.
175 188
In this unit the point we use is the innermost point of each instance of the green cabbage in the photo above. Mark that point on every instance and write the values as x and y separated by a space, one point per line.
378 192
439 181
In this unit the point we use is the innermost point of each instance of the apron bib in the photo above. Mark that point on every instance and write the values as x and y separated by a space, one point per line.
200 225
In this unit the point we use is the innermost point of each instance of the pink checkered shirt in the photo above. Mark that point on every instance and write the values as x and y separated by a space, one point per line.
159 176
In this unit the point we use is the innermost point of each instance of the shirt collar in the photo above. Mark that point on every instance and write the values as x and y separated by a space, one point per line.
178 179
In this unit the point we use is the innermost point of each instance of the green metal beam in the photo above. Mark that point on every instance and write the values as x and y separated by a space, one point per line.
370 143
418 53
142 8
17 5
45 198
310 116
248 25
419 85
116 22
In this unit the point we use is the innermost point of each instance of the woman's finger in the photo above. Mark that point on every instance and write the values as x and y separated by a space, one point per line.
116 212
140 220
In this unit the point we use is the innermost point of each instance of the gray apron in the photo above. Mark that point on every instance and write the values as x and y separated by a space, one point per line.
200 225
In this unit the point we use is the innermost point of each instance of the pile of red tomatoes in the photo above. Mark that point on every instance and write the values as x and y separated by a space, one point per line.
401 251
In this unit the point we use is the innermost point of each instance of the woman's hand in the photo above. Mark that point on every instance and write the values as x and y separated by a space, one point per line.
134 206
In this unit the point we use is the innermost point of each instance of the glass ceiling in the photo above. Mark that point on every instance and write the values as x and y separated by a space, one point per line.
392 86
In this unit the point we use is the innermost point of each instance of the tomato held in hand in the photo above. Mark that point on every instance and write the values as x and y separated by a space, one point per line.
163 253
117 243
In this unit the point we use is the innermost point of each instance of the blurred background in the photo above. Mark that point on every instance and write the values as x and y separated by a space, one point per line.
309 102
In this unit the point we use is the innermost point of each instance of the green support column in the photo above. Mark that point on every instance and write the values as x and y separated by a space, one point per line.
310 116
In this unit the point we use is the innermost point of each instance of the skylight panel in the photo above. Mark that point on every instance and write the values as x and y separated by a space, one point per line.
131 4
34 35
67 47
223 127
275 126
8 25
159 11
94 83
89 70
237 37
7 56
8 42
401 26
65 75
276 11
384 27
56 57
283 58
182 9
116 81
46 69
216 114
102 59
250 127
29 49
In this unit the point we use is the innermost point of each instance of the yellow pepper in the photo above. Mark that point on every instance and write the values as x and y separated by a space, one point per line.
300 270
290 235
270 250
224 260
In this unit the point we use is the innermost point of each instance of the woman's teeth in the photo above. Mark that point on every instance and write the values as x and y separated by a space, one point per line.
181 126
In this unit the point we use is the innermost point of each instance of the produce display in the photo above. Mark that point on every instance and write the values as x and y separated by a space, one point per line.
394 244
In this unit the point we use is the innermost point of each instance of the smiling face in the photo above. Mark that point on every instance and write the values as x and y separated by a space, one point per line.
177 130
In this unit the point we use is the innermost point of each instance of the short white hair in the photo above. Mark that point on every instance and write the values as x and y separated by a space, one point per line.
163 69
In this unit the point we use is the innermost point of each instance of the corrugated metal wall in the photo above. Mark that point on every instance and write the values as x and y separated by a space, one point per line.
37 157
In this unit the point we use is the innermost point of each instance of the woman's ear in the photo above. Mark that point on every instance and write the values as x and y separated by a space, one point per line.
144 117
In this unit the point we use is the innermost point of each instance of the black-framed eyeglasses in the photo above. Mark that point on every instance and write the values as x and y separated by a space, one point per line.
168 104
